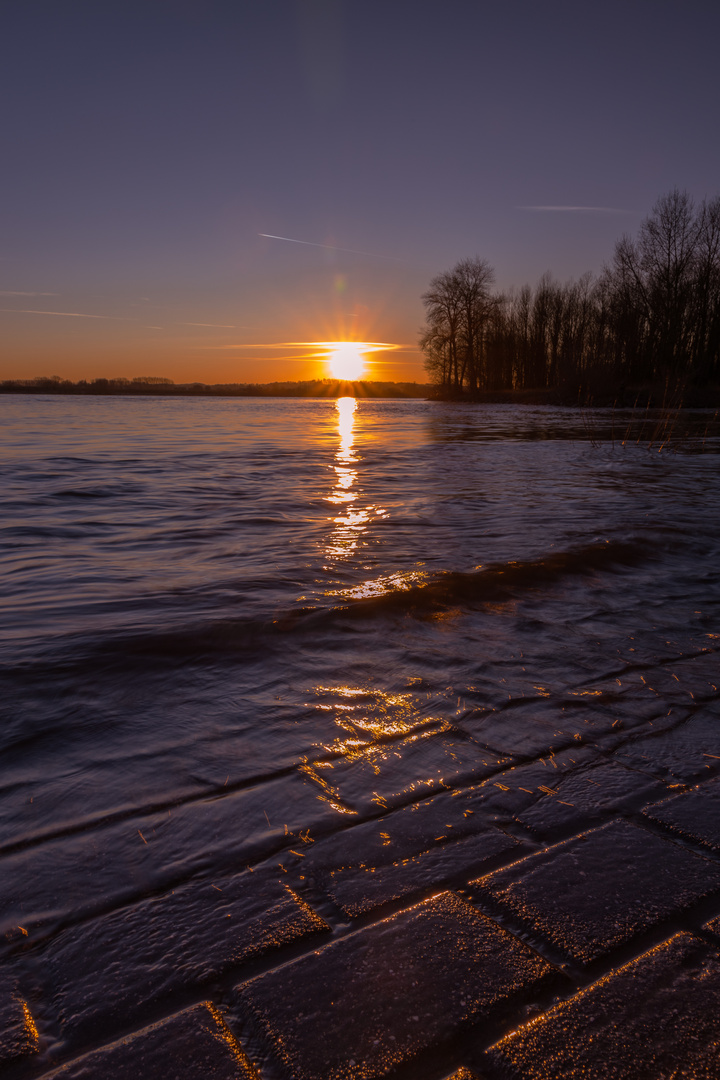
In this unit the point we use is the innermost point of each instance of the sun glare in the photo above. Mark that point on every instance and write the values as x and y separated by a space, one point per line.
346 360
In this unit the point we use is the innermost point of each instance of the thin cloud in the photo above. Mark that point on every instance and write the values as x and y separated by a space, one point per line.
6 292
320 349
329 247
68 314
221 326
576 209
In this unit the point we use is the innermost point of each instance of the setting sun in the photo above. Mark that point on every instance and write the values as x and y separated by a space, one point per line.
347 359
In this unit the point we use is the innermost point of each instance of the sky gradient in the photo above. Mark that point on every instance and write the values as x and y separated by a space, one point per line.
187 186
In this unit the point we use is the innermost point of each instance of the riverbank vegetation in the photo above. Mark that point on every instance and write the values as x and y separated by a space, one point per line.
647 326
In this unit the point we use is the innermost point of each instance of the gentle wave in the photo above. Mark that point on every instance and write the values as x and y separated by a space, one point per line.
398 594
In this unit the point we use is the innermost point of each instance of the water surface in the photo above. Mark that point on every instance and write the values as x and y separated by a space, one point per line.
228 623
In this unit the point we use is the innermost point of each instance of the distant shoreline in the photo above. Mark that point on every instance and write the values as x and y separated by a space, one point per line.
628 397
317 388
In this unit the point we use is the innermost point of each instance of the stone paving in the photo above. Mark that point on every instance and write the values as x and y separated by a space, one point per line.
525 897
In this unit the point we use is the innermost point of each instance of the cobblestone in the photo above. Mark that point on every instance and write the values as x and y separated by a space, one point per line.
366 1004
596 891
656 1017
359 889
387 774
687 753
695 814
587 795
193 1043
126 857
115 965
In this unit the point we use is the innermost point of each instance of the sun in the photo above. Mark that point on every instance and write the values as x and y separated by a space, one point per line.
346 359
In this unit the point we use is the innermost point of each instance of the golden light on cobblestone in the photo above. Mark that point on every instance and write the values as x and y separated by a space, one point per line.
31 1030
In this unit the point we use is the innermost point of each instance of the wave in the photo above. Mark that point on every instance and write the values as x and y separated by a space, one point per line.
206 639
498 581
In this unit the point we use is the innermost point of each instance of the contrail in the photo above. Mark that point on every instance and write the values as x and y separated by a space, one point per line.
329 247
68 314
578 209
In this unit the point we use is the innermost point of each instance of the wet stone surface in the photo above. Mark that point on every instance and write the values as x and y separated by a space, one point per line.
589 794
193 1043
389 774
359 889
433 841
111 968
18 1036
656 1017
451 815
598 890
524 733
364 1005
694 814
688 753
126 859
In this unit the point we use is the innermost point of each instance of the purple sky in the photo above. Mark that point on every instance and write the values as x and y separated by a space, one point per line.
147 146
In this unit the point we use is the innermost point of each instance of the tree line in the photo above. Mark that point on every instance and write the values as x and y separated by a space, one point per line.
652 317
157 386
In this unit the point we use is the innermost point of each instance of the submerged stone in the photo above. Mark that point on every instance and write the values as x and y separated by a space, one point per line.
522 733
193 1043
361 888
689 752
587 795
695 814
411 830
18 1034
364 1005
656 1017
105 972
590 894
387 774
127 860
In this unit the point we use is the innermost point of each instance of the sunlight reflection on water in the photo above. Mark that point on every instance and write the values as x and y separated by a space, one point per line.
350 525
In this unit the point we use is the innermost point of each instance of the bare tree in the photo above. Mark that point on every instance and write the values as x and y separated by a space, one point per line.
458 308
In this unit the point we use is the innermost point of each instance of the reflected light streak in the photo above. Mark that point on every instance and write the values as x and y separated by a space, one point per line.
351 524
353 521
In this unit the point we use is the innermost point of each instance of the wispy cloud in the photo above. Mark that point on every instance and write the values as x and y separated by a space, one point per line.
329 247
314 349
7 292
219 325
67 314
576 209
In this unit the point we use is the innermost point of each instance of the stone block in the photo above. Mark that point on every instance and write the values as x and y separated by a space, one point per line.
357 889
364 1005
656 1017
119 862
521 733
195 1043
590 894
106 971
431 841
450 815
689 752
587 795
695 814
382 775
